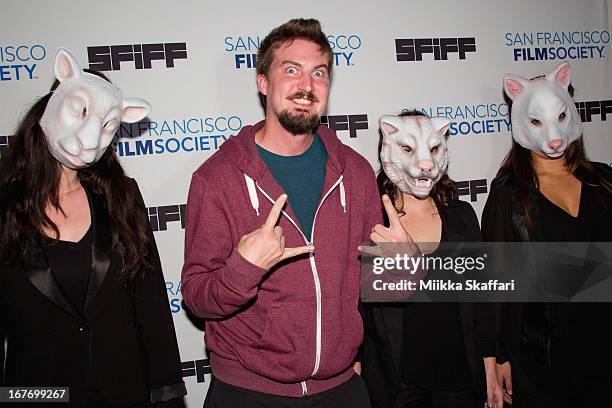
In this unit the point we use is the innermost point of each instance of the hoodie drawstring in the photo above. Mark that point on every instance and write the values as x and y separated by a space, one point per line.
250 183
342 196
252 193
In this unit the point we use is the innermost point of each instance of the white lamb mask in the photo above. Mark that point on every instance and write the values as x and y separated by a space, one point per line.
544 116
414 154
83 113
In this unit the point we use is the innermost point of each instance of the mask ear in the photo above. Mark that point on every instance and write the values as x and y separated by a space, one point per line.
440 123
134 110
514 85
561 75
388 124
66 66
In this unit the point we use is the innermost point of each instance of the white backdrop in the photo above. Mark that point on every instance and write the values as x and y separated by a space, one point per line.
201 85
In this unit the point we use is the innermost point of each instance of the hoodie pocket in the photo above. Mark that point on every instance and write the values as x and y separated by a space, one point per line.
286 350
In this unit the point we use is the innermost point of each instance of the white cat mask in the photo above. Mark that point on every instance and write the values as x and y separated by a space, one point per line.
414 154
544 116
84 112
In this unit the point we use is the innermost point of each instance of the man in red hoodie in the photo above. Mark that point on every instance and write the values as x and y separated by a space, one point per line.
274 222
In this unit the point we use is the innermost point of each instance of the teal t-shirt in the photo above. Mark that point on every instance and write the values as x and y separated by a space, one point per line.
302 178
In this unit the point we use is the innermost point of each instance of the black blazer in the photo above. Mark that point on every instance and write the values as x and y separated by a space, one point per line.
124 340
380 353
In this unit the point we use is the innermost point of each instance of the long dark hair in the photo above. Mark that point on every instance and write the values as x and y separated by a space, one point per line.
442 192
518 163
29 181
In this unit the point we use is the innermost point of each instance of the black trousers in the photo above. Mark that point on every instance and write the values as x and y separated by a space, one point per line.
352 393
413 396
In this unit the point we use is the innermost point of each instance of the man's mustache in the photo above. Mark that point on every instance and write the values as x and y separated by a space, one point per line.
304 95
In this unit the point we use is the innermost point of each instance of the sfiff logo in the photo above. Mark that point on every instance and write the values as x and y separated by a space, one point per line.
196 368
413 49
557 45
471 188
351 123
594 108
140 56
159 217
196 134
19 62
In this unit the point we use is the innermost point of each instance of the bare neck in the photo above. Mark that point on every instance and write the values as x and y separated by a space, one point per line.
417 205
276 139
543 165
69 181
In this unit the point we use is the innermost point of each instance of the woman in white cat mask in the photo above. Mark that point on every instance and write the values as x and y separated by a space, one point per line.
82 296
550 354
424 354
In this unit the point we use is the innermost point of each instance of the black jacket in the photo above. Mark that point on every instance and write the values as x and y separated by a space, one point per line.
522 326
380 354
124 339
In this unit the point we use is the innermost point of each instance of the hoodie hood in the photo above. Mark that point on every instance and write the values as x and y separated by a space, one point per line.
242 147
250 163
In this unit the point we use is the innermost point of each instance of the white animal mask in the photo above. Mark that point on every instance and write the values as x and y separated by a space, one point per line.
414 154
544 117
84 112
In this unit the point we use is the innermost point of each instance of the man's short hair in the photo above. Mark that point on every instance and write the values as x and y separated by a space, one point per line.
305 29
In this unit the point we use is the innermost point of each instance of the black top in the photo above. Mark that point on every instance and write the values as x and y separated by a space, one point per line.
576 340
433 353
550 340
592 224
71 265
381 353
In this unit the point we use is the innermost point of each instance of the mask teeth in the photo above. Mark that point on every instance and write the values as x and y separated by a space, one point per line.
423 183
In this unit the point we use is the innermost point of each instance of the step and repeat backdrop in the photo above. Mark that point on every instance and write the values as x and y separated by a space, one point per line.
194 62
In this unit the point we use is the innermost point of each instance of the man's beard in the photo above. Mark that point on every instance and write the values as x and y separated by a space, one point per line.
298 124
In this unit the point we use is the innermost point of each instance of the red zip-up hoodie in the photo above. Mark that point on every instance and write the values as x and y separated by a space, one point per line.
294 330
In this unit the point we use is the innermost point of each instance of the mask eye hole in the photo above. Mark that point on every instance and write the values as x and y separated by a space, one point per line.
435 149
110 126
562 116
536 122
78 106
407 149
